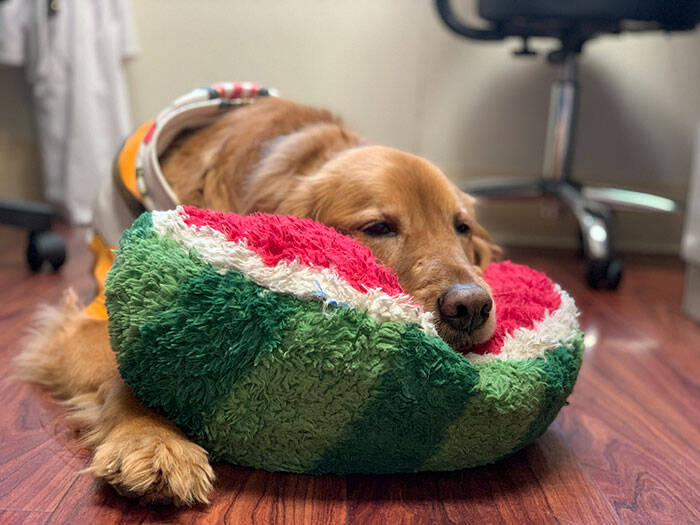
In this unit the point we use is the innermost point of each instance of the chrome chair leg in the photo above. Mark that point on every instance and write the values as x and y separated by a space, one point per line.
506 188
594 218
595 227
628 200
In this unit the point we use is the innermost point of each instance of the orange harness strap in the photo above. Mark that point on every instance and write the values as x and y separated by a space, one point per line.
103 259
104 255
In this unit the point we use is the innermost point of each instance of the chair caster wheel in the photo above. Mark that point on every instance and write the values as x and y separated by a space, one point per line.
604 273
45 246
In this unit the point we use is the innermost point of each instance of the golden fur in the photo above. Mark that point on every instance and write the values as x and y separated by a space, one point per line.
279 157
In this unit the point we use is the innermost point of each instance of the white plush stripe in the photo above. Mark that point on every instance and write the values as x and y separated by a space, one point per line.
291 278
557 327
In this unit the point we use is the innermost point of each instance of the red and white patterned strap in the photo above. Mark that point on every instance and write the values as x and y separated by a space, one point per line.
195 109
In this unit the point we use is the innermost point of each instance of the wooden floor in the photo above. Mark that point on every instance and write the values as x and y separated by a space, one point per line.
624 450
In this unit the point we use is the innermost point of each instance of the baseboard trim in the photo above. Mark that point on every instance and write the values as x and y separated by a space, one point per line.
691 295
522 241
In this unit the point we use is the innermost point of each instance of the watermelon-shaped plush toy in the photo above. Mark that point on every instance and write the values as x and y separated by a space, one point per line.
277 343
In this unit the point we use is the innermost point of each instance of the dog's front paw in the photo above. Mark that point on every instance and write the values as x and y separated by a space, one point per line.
155 468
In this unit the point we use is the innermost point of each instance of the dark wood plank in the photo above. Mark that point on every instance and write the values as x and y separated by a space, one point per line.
254 496
572 495
634 418
39 456
241 496
20 517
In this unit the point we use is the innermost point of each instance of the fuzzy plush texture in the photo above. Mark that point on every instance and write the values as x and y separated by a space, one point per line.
277 343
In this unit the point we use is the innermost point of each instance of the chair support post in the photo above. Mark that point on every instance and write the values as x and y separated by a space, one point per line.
563 106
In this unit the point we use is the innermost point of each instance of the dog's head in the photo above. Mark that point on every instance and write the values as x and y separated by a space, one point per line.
415 221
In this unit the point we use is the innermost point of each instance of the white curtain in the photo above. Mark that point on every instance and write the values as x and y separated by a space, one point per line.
73 60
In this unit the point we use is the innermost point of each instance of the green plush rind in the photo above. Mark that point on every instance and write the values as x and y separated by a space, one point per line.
560 368
514 403
336 405
184 333
415 400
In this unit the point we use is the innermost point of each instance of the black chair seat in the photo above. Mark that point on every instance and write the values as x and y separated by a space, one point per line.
669 14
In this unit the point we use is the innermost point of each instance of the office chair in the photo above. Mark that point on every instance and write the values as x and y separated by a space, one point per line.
573 23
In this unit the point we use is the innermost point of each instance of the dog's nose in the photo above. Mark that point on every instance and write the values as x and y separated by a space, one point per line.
465 306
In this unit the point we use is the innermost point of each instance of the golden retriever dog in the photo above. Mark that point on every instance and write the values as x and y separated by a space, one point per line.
279 157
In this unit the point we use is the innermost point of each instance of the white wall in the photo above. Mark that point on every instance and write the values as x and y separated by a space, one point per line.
396 74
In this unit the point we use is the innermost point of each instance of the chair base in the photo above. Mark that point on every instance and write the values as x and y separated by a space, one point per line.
593 209
43 246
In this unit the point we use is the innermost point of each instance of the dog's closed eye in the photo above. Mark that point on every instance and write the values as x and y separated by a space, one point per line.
380 229
463 228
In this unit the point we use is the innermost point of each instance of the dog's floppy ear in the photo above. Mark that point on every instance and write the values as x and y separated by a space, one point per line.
486 250
306 199
298 205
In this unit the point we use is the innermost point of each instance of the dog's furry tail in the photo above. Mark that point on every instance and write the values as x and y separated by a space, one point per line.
45 357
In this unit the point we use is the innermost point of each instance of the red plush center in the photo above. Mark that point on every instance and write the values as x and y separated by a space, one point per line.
278 238
522 297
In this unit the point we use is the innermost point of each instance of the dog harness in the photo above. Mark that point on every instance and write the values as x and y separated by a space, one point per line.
137 183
